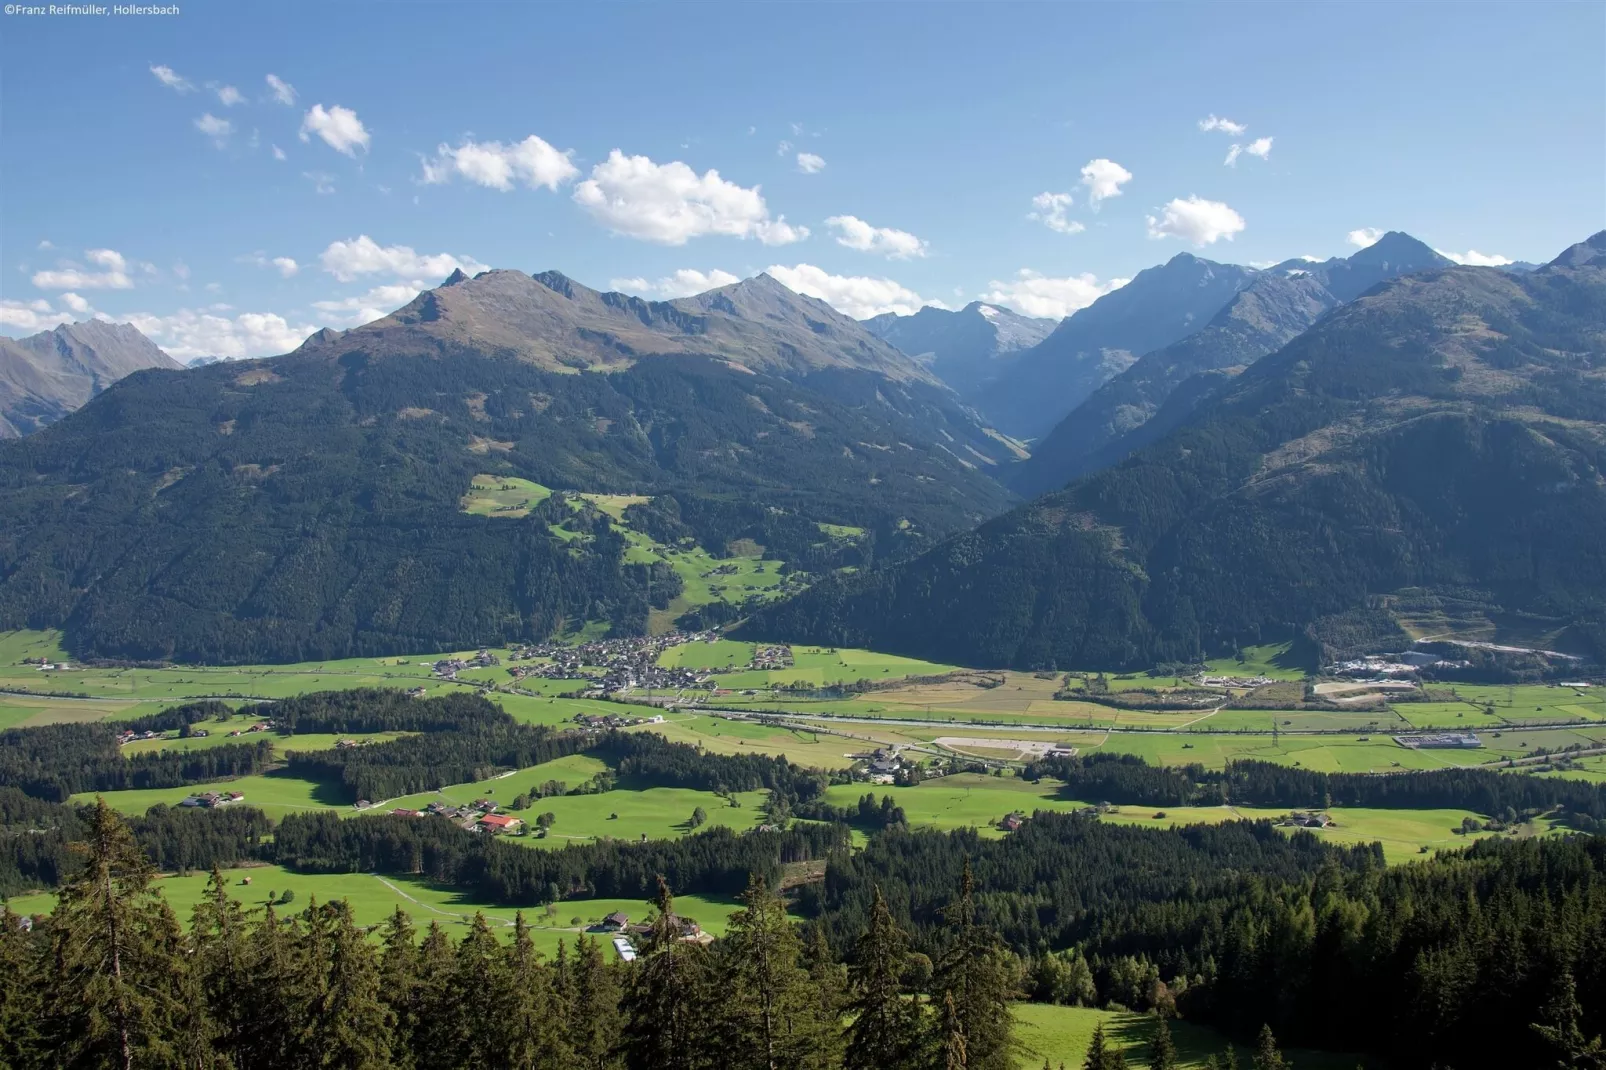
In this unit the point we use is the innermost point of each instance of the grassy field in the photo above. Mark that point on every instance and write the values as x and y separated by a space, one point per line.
503 496
373 899
1061 1035
970 800
275 794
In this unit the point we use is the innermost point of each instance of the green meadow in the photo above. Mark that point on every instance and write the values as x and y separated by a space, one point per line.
1061 1035
373 899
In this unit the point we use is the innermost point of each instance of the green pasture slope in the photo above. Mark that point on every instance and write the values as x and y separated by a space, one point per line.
1061 1035
373 898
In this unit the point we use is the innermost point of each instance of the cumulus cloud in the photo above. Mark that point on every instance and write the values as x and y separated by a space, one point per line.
1050 210
1473 258
1034 294
112 276
230 96
348 260
531 162
278 153
1104 179
809 163
77 305
671 204
32 316
1365 236
339 128
1196 220
172 79
375 304
284 265
682 283
282 91
1226 126
204 333
893 244
858 296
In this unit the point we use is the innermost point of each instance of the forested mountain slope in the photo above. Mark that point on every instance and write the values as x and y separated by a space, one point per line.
1446 432
47 375
1160 305
1158 391
308 506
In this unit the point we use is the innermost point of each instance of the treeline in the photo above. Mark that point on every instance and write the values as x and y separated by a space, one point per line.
651 759
1128 780
37 838
249 990
55 761
716 862
178 718
412 764
1445 962
379 709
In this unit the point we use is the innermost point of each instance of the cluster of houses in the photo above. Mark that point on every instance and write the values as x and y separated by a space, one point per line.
1308 819
211 800
772 657
126 737
448 668
882 766
260 726
625 934
613 665
1206 680
602 721
479 815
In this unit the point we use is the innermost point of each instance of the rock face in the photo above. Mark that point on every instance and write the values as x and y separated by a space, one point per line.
1159 306
967 349
46 376
1159 389
1436 440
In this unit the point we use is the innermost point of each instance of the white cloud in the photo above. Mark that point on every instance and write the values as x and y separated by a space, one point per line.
322 181
377 303
283 91
46 243
858 296
278 153
1104 179
783 148
1473 258
1365 236
202 333
347 260
216 129
31 316
809 163
77 304
670 203
1260 147
339 127
1196 220
1049 209
72 277
531 162
1226 126
172 79
893 244
230 96
286 266
1032 294
683 283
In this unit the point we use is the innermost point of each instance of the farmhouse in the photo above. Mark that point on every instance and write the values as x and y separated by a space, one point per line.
1012 822
501 823
213 799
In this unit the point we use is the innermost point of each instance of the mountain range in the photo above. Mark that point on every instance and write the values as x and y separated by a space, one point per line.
965 349
46 376
1160 388
1159 306
309 505
1438 441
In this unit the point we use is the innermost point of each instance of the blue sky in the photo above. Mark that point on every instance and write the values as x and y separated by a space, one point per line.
927 150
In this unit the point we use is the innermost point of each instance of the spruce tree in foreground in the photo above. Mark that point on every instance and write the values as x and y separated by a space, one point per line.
767 1005
1267 1055
975 974
1162 1050
115 981
668 998
886 1025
